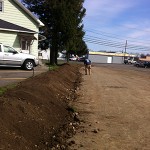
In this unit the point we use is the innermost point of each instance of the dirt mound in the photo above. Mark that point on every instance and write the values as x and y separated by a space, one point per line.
36 111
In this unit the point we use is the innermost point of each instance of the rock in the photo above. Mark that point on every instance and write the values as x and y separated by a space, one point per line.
71 143
95 130
63 147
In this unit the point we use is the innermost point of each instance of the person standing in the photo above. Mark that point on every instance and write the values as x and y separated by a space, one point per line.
87 64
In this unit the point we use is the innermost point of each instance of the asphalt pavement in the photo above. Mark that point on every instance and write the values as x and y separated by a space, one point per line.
14 75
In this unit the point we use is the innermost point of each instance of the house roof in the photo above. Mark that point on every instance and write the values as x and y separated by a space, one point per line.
4 25
29 13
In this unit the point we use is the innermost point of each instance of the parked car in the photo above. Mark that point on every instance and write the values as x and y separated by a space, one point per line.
9 57
144 64
81 59
73 58
139 64
126 61
129 61
133 61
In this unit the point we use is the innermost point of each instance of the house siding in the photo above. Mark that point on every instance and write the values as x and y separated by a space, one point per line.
14 14
17 16
10 38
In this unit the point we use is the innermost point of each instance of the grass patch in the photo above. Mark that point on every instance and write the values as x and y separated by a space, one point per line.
71 109
51 67
4 89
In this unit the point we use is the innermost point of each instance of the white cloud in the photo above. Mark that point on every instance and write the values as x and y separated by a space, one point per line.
118 19
138 29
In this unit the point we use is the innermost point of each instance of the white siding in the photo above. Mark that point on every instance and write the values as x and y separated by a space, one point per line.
10 38
14 14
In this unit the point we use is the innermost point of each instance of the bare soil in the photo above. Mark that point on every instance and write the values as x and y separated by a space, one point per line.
36 113
114 109
107 110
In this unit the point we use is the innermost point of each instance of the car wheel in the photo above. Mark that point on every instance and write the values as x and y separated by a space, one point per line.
28 65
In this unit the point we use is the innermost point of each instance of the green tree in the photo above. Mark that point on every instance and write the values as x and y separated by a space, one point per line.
63 24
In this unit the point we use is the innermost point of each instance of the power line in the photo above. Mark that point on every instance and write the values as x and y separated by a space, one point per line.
111 45
116 36
107 41
98 38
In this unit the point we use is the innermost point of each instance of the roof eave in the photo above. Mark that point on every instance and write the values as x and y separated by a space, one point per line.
17 31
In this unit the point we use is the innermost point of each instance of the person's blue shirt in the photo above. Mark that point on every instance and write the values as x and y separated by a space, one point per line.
87 62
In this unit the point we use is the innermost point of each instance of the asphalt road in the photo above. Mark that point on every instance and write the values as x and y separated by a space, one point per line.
15 75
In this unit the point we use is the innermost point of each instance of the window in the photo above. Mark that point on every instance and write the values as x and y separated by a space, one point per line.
8 49
25 45
1 6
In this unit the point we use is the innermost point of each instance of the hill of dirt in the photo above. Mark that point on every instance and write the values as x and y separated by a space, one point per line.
36 113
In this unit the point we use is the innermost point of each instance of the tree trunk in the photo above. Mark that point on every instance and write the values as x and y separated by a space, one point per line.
52 56
67 56
53 50
56 54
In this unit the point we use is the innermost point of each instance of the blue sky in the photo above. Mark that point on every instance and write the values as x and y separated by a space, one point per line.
109 23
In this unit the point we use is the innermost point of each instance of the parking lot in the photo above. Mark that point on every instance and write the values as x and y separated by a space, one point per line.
124 67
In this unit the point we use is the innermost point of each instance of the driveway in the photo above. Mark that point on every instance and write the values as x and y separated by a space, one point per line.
14 75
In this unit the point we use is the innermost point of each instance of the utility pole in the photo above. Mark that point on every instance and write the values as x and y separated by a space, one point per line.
125 49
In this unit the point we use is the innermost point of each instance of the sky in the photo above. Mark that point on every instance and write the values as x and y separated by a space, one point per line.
117 25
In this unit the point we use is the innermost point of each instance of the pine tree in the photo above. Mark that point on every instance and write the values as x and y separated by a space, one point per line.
63 24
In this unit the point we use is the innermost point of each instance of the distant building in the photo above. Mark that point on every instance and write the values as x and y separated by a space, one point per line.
104 57
145 59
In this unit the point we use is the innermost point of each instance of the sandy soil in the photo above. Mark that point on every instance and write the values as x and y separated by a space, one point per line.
114 109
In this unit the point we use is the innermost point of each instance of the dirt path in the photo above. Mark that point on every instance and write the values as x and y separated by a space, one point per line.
114 107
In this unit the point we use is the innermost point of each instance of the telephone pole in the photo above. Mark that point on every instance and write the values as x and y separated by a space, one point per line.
125 49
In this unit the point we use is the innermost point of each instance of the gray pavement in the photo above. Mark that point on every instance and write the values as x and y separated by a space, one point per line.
14 75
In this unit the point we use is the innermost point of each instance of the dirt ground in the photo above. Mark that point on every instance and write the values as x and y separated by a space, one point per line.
108 110
36 113
114 109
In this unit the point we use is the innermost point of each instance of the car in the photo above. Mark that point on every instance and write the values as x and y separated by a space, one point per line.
139 64
133 61
81 59
129 61
144 64
126 61
147 64
72 58
9 57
